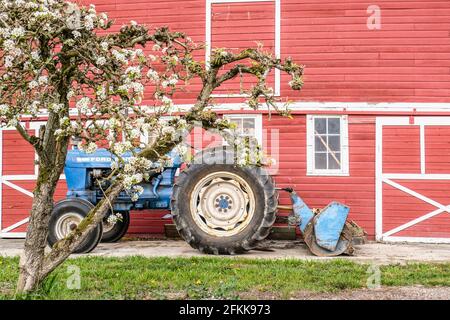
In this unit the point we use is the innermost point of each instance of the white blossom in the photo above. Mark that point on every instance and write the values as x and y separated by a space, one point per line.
114 218
56 107
166 101
101 61
91 147
18 32
104 45
119 57
33 84
4 108
153 75
35 55
43 80
120 148
89 22
134 72
9 61
83 104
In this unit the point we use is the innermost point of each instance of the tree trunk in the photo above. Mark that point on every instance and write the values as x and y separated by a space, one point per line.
32 258
51 165
63 249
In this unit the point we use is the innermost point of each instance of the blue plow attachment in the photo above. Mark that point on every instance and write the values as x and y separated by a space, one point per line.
324 232
329 224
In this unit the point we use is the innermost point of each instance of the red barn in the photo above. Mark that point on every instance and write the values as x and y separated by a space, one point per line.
370 129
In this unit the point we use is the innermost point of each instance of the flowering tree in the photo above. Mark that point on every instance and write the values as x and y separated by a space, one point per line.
58 60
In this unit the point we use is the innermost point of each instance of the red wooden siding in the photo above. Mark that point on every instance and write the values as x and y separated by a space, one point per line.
238 26
437 149
400 208
356 191
401 149
407 60
18 155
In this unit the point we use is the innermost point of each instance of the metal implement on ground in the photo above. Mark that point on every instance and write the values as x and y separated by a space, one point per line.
325 231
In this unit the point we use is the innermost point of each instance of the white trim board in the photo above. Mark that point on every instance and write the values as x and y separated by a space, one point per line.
13 235
309 107
208 38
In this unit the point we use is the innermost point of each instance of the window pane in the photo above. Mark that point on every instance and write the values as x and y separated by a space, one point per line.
319 145
321 160
249 123
249 127
332 163
334 142
320 125
334 125
238 123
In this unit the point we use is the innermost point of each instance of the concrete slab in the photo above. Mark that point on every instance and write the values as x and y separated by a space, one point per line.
380 253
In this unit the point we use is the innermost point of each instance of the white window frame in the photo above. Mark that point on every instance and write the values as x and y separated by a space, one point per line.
208 39
310 142
258 123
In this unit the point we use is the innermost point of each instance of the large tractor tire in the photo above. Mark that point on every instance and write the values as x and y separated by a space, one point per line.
66 216
221 208
113 233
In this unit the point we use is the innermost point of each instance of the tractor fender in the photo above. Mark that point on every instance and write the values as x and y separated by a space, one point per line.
80 200
215 155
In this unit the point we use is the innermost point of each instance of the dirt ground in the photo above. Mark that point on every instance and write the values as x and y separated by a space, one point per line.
384 293
380 253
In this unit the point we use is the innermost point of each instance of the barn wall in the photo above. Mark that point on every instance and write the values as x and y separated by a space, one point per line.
407 60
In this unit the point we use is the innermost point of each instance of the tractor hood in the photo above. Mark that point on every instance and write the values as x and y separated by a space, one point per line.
102 158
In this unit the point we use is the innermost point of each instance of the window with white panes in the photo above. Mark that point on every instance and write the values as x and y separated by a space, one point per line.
247 125
327 145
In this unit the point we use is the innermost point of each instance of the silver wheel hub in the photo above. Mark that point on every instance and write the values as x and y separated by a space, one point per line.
66 224
222 204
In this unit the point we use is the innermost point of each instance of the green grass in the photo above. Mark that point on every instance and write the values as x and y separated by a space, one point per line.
198 278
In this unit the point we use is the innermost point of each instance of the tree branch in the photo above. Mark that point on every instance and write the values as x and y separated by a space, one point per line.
33 140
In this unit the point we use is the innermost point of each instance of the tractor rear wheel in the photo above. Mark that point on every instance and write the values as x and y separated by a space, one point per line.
221 208
66 216
115 232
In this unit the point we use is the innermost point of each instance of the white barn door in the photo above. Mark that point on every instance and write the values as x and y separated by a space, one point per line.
413 179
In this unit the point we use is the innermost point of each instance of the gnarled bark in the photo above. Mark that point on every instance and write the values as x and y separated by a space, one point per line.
52 157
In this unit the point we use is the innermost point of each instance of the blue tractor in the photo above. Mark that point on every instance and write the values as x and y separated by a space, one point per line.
217 207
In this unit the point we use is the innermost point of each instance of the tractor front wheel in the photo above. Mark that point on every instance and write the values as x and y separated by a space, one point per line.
115 232
222 208
66 216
